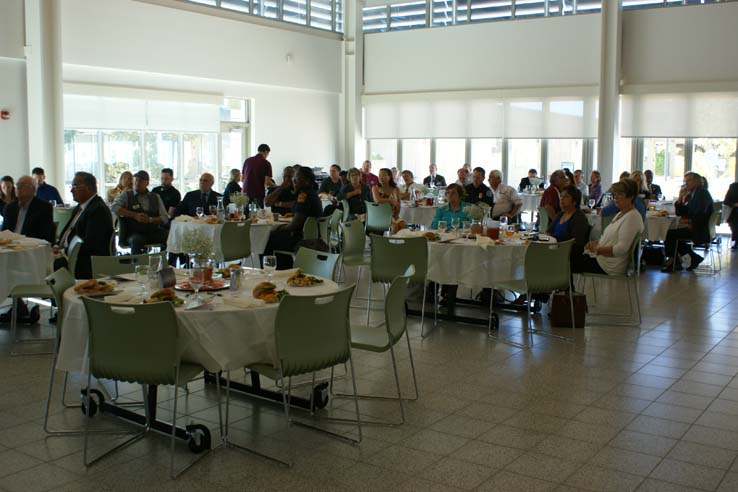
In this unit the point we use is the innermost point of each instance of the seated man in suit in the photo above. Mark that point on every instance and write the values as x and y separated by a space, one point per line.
694 206
91 221
203 197
32 217
525 182
434 180
142 216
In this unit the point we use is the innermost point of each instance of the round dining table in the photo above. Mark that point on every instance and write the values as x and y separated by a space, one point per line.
418 214
229 331
24 261
259 235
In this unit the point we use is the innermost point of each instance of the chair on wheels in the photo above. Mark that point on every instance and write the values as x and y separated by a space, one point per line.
546 269
380 339
391 257
123 347
630 277
318 263
300 351
235 241
103 266
378 217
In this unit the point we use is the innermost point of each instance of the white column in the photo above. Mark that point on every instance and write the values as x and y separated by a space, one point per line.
609 113
353 146
45 88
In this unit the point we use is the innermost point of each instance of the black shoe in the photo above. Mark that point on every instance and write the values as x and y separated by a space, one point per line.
696 260
30 317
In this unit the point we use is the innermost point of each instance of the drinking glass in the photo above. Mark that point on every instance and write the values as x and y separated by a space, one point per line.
200 212
503 221
510 230
466 226
53 203
661 197
196 276
442 225
270 264
142 277
592 203
455 225
213 209
529 227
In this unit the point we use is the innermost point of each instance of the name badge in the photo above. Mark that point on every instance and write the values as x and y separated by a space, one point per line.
136 206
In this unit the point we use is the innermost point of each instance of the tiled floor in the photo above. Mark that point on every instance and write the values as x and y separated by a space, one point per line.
650 409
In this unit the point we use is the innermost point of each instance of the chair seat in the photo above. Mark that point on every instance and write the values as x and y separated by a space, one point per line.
370 338
32 290
187 372
357 260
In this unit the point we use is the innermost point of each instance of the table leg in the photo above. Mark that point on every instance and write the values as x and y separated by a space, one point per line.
255 389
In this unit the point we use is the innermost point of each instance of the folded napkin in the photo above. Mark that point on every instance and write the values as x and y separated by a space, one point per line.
124 298
407 233
484 241
243 302
6 234
284 273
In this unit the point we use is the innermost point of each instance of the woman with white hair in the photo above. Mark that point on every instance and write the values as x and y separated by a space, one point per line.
232 186
643 190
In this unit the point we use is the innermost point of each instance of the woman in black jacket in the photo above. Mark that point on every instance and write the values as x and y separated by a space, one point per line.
571 223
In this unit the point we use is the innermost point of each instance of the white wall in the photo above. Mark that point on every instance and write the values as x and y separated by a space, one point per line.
693 44
550 52
13 132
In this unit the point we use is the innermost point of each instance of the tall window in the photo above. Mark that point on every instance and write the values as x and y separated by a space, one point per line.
523 154
80 154
450 156
416 156
382 153
665 157
161 150
121 152
199 153
714 158
486 153
564 152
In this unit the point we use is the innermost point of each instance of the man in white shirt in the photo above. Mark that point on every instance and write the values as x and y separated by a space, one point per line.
581 185
507 201
410 189
463 175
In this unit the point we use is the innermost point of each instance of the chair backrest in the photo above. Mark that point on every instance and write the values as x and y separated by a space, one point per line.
116 265
392 257
547 266
313 332
324 229
317 263
235 240
395 319
378 217
59 282
346 210
634 260
336 217
543 219
132 342
353 239
713 222
73 252
62 215
310 229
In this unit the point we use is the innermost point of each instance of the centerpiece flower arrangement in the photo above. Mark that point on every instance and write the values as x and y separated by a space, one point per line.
199 247
240 200
477 212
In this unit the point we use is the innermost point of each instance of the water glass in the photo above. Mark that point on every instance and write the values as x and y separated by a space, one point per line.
53 203
661 197
529 227
510 230
442 225
455 225
196 276
200 212
270 264
142 277
592 203
466 226
213 209
503 221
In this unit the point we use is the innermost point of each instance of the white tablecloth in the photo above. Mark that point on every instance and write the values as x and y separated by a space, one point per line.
27 266
655 228
259 236
218 336
531 201
418 215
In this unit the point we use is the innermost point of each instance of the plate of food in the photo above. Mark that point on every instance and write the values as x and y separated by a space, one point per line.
96 288
267 292
164 295
432 236
209 286
299 279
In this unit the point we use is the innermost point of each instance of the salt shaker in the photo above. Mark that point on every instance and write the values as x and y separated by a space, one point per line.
235 279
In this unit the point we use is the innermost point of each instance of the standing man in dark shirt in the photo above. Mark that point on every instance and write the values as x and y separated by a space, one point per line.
44 190
170 196
257 175
477 191
282 198
288 237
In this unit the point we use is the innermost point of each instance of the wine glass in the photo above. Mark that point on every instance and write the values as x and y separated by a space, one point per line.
142 277
200 212
213 209
442 225
661 197
196 276
466 227
53 203
455 225
270 264
510 230
503 221
592 203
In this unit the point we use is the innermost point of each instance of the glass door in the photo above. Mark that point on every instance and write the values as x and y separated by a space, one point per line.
234 145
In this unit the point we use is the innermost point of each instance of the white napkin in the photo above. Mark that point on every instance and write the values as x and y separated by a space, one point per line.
406 233
284 273
265 221
243 302
7 234
124 298
484 241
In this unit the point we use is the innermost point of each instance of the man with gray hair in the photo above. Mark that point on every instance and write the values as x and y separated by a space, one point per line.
550 198
29 215
507 201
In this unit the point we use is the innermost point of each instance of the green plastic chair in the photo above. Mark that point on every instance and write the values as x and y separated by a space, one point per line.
710 246
353 242
346 209
235 241
543 219
123 346
62 216
75 244
299 351
334 238
391 257
547 268
378 217
324 224
310 229
105 266
380 339
318 263
631 282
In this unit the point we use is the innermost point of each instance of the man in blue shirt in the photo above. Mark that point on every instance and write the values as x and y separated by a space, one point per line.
45 191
